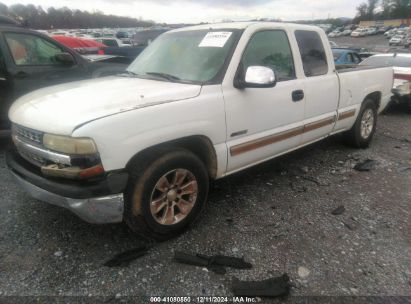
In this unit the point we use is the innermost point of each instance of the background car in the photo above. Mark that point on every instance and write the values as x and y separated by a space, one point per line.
402 74
397 40
30 60
346 33
334 34
345 56
359 33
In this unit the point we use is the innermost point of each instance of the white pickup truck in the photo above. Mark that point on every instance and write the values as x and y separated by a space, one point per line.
198 104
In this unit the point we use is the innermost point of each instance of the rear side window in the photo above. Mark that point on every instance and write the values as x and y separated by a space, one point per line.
312 53
270 49
29 49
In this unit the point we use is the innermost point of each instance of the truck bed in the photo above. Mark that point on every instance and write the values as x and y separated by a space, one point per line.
353 68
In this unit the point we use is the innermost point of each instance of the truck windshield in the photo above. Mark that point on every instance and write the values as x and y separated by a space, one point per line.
188 56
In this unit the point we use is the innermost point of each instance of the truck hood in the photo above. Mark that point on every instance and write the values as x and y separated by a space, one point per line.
60 109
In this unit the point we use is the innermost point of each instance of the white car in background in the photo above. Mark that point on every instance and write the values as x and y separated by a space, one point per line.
346 33
334 34
402 74
390 33
111 42
397 40
359 33
371 31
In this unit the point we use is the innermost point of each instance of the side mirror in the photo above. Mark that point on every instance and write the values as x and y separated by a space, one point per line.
257 77
64 58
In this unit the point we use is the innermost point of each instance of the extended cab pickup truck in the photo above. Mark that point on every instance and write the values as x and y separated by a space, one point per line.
199 103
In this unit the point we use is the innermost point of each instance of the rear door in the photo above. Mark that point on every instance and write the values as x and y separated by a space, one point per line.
33 65
264 122
321 86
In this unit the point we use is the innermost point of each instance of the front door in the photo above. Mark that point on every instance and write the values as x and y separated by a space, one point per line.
264 122
33 63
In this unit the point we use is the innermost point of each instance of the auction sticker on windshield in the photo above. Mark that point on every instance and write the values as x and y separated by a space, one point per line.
215 39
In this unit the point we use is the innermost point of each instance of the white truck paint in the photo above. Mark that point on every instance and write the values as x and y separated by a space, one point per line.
126 115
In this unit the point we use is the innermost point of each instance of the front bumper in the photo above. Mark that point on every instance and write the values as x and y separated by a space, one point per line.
97 202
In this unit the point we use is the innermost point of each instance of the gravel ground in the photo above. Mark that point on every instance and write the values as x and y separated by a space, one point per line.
276 215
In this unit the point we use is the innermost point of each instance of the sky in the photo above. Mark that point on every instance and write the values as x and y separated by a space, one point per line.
195 11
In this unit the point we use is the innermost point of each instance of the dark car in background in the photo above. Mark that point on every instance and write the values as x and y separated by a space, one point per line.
30 60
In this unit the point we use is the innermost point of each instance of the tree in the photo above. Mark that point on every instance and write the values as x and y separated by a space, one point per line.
66 18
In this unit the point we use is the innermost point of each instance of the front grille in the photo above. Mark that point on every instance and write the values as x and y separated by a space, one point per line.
27 135
31 137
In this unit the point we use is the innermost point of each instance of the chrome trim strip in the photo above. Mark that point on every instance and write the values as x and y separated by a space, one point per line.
95 210
49 155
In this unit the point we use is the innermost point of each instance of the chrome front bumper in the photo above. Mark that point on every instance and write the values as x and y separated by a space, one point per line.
98 210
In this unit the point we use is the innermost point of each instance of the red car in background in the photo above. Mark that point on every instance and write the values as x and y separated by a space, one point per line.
81 45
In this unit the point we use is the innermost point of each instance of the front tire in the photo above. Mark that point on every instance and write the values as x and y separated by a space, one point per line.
165 196
361 134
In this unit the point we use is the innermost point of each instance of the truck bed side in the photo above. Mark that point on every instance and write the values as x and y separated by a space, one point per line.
357 84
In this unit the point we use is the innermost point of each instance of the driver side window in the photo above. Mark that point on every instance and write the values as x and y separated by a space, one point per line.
270 49
29 49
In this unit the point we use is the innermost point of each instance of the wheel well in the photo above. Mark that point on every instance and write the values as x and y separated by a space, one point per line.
376 97
199 145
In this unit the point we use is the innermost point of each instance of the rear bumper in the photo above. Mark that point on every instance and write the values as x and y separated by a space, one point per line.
96 202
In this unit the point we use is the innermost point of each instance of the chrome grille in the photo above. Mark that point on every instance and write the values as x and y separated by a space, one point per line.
27 134
32 158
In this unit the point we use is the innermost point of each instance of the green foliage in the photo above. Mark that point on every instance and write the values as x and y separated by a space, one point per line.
65 18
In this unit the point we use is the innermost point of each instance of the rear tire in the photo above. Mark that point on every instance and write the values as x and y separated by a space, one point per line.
361 134
165 195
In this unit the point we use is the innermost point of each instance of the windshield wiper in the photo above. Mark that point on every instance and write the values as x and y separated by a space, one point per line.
164 75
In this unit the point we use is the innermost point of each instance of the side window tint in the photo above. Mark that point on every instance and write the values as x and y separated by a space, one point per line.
312 53
356 59
270 49
29 49
350 58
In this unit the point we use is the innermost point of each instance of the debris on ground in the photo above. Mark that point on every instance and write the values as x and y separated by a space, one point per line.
274 287
214 263
315 180
366 165
404 169
124 258
303 272
338 211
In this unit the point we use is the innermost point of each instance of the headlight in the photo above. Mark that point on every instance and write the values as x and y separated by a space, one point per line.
69 145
